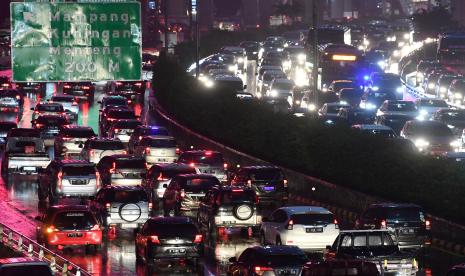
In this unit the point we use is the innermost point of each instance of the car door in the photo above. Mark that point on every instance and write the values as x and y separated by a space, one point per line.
272 228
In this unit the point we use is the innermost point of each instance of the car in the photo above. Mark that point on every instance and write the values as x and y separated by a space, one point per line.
5 83
69 225
457 270
169 238
431 137
430 83
126 207
81 90
229 207
157 149
49 127
456 92
239 53
379 130
340 267
132 91
443 84
11 100
263 68
453 118
207 162
352 96
374 99
396 122
5 127
268 260
69 104
231 83
30 87
297 55
112 101
97 147
281 89
269 182
310 228
24 266
145 130
408 224
122 129
70 140
265 80
376 246
251 48
356 115
428 106
122 169
388 85
112 114
422 66
331 110
336 86
68 178
48 109
391 107
185 192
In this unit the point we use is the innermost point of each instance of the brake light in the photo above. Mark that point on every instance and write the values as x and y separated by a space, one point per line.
178 150
161 178
67 86
118 83
237 190
117 130
113 168
208 153
95 228
97 179
138 84
60 178
192 164
290 225
225 166
91 153
108 205
383 224
260 270
86 87
285 182
66 138
147 150
125 152
198 238
257 199
51 229
140 138
129 101
154 239
336 224
39 125
75 103
150 205
18 97
428 224
249 183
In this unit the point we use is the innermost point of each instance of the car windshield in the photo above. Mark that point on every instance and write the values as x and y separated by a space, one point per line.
160 143
50 108
71 220
62 99
78 132
202 158
130 196
78 170
165 230
340 85
431 130
30 270
200 185
312 219
403 214
381 95
283 85
130 124
154 131
456 115
266 175
237 195
121 114
107 145
375 239
233 84
334 108
280 260
406 106
274 75
433 103
116 102
132 163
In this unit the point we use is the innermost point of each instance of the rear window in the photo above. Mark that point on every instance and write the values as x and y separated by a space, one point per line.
116 102
200 184
130 163
404 214
164 230
170 173
202 158
312 219
402 107
21 132
238 196
121 114
52 121
159 143
154 131
25 269
433 103
129 196
78 133
49 108
63 99
71 220
107 145
78 170
283 85
432 129
266 175
282 260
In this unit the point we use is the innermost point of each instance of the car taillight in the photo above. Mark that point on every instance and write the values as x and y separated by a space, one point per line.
95 228
18 97
138 84
428 224
147 150
36 112
260 270
60 178
257 199
249 183
182 194
125 152
39 125
97 179
66 138
51 229
162 178
154 239
208 153
140 138
336 224
75 103
91 153
86 87
150 205
108 205
118 83
67 86
129 101
192 164
290 225
178 150
383 224
225 166
285 182
198 238
117 130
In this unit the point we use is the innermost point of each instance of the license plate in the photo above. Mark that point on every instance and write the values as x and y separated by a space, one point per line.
162 160
314 230
75 235
29 168
407 231
78 182
229 222
129 225
268 188
176 250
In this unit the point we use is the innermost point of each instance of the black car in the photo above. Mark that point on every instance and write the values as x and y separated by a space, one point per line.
269 183
145 130
112 114
408 224
374 99
30 87
357 115
24 266
251 48
11 99
229 207
169 238
112 101
396 122
81 90
184 193
268 260
122 169
49 127
453 118
132 91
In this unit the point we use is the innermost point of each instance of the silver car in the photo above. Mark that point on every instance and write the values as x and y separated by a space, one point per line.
123 128
96 148
206 161
71 139
157 149
122 170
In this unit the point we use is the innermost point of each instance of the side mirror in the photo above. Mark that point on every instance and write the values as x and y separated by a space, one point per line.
245 86
232 260
165 186
81 146
265 219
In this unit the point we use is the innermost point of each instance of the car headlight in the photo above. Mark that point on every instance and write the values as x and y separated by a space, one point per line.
401 44
302 57
419 75
209 83
381 63
370 106
406 36
396 53
421 143
423 112
366 42
400 89
361 47
232 68
456 144
311 107
450 126
324 89
279 49
431 85
286 44
240 60
375 88
458 95
273 93
254 53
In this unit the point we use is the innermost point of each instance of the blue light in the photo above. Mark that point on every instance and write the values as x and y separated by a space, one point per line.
154 127
366 77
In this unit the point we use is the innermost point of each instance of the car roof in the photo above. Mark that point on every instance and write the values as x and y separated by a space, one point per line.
127 157
158 137
305 209
282 80
365 231
372 127
426 123
393 205
200 152
277 250
227 78
104 139
173 166
49 104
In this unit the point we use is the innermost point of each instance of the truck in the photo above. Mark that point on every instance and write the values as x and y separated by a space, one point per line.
24 153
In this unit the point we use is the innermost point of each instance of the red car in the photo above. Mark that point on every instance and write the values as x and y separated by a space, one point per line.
69 225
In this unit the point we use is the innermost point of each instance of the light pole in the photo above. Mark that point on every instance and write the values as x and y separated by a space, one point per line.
197 41
315 52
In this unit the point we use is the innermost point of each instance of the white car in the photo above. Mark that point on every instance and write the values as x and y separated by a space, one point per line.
157 149
427 107
311 228
69 103
281 89
396 107
123 128
96 148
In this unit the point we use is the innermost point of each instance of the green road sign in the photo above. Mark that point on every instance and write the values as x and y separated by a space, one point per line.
76 41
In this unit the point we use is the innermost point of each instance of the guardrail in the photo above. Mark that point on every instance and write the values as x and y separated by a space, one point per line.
30 248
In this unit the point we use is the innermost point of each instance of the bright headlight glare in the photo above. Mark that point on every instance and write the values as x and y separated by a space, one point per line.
431 85
370 106
419 75
302 57
400 89
311 107
209 83
361 47
273 93
232 68
458 95
443 89
406 36
375 88
421 143
450 126
401 44
456 144
396 53
240 60
423 112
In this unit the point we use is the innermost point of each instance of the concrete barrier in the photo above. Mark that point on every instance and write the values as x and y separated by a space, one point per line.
347 204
